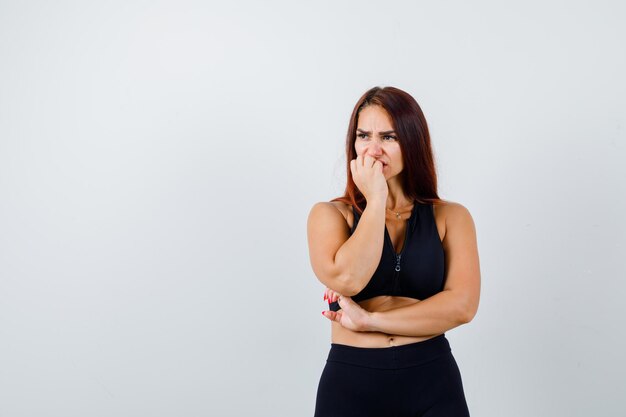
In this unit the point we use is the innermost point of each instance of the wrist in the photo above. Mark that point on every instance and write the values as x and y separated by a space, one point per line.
377 202
371 323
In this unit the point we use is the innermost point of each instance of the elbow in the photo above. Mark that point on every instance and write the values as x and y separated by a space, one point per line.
342 283
348 286
464 306
467 312
466 317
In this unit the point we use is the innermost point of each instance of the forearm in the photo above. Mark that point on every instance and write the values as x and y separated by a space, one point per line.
360 254
434 315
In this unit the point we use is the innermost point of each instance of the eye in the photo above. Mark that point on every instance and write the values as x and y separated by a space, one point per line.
361 135
390 136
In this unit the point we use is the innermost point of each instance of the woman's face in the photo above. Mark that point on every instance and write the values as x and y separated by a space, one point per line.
375 136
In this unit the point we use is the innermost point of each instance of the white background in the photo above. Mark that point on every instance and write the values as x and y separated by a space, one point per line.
158 161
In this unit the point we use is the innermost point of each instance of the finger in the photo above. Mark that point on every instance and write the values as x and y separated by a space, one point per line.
337 317
365 160
360 160
342 300
326 294
331 315
371 161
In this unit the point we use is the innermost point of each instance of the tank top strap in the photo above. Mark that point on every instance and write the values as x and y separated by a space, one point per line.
355 219
425 220
413 218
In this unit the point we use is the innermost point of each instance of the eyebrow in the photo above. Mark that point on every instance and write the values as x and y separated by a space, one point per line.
386 132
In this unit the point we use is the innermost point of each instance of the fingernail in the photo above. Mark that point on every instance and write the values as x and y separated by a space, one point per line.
323 313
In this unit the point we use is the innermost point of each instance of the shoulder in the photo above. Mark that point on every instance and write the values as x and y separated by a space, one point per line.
456 218
327 210
451 210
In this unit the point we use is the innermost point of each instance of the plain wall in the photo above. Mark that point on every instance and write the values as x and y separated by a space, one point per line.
158 161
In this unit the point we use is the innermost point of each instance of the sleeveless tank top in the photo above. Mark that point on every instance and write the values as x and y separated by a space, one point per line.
417 271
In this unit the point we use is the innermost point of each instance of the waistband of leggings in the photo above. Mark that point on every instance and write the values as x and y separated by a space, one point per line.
393 357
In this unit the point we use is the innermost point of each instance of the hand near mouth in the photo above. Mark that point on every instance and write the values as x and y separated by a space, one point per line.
368 177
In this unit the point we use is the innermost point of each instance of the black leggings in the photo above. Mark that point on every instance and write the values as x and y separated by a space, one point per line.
420 379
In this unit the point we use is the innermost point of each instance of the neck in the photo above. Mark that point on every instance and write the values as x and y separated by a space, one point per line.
396 200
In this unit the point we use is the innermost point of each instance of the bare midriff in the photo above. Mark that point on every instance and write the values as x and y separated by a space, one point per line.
341 335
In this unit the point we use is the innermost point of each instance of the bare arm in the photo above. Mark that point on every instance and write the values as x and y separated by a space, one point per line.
342 262
457 303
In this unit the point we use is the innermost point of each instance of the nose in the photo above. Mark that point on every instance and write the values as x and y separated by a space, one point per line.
375 149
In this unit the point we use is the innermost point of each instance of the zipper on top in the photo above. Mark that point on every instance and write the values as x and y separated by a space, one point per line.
398 256
397 268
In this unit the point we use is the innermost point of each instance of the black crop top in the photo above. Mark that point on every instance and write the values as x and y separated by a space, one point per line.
417 271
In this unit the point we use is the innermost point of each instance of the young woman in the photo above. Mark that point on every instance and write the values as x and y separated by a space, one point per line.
400 267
